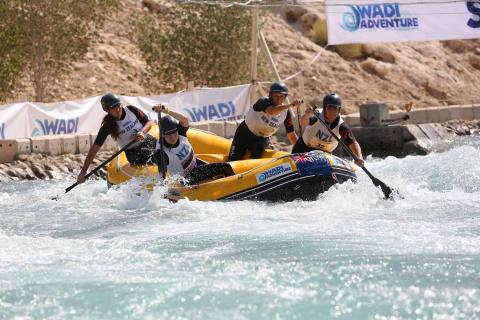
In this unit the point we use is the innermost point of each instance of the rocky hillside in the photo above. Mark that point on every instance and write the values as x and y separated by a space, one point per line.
425 73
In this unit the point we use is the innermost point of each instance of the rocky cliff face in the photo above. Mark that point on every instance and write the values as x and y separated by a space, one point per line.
425 73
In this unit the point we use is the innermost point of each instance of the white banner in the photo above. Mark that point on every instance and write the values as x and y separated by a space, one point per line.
25 120
360 21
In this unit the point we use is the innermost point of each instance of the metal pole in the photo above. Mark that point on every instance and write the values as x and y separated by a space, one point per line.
264 46
301 88
266 51
253 70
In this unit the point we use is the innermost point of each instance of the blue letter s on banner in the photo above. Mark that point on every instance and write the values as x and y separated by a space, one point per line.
475 22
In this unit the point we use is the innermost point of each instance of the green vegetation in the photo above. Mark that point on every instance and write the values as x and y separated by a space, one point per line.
11 55
208 45
42 37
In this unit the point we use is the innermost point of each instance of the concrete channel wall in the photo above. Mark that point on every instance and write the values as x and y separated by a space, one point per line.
383 132
420 116
374 127
80 143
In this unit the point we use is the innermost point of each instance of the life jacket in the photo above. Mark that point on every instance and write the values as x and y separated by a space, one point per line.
317 136
128 129
181 159
263 124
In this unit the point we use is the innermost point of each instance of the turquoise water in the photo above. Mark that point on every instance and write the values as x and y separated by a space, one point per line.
95 254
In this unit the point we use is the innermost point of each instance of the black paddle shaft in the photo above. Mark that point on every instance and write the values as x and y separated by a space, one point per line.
387 191
160 158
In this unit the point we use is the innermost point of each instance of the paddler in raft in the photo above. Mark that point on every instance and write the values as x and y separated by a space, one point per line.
178 154
317 137
262 121
124 124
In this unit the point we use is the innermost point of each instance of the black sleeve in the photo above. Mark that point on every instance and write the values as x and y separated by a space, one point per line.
346 134
101 136
288 122
262 104
312 120
139 114
182 130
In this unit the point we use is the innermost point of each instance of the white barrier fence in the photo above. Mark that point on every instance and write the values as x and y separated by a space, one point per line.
80 143
27 120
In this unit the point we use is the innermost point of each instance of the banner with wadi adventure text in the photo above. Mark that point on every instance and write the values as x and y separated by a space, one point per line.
28 119
360 21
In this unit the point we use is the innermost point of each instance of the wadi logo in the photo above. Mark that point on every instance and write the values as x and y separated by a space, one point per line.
220 111
57 126
273 173
474 8
376 16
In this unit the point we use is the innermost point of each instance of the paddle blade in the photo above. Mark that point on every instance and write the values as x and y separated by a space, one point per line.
71 187
387 191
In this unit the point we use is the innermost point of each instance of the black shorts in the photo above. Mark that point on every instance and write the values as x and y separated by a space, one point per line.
208 171
245 140
301 147
142 154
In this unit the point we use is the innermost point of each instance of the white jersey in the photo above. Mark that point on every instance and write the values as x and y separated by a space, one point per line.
181 159
128 129
263 124
317 136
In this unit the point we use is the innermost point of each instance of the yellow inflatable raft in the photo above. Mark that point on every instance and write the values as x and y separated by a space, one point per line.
207 147
284 178
278 176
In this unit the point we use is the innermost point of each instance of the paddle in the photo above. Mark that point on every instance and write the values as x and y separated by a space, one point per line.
387 191
104 163
160 159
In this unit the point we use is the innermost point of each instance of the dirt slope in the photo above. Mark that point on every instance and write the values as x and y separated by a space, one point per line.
427 73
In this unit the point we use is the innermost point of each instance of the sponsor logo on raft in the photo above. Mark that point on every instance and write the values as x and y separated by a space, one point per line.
57 126
220 111
474 8
273 173
370 17
2 130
